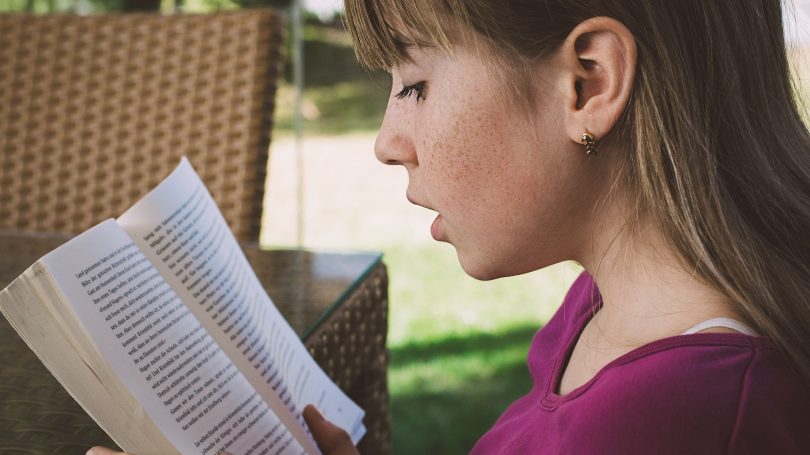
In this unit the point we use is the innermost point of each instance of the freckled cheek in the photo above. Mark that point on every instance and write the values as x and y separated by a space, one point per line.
467 191
455 151
462 152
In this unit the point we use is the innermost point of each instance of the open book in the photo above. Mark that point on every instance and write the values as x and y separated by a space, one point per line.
157 325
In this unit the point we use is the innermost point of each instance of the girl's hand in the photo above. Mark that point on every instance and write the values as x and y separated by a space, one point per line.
331 439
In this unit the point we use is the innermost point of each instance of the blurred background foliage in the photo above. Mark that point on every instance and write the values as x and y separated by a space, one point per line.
458 346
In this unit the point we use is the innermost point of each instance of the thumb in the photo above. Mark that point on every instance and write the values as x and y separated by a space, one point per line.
331 439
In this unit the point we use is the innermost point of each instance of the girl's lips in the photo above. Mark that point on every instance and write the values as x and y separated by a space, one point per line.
435 228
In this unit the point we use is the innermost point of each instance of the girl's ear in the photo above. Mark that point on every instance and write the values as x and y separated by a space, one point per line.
599 63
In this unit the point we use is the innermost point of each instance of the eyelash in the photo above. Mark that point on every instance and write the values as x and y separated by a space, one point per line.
408 90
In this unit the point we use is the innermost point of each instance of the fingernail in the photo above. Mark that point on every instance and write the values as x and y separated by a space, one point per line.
90 451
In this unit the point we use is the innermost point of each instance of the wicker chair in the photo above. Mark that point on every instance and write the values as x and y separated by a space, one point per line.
94 112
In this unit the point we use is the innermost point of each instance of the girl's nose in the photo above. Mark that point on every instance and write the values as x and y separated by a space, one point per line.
394 144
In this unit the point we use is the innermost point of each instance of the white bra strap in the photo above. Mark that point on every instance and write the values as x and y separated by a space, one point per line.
721 322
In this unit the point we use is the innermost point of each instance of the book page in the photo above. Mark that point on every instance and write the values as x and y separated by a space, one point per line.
180 229
172 366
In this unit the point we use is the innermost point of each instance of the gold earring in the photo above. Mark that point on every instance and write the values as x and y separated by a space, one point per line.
589 142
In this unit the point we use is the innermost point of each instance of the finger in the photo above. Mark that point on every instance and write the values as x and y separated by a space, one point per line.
331 439
98 450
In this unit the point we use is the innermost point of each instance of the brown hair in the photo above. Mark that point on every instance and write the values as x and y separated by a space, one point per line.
717 153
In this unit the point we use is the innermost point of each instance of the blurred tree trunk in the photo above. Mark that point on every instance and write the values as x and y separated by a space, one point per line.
130 6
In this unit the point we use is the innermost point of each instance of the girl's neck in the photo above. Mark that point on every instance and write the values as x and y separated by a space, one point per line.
647 292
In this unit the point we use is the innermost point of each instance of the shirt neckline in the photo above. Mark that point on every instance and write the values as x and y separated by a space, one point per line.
551 400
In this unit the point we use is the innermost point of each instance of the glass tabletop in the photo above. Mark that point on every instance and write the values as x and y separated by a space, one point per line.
306 286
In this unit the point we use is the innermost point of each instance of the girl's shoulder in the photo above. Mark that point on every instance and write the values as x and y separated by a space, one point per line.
713 388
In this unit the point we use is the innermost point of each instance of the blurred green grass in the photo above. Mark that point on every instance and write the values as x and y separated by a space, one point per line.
446 393
432 297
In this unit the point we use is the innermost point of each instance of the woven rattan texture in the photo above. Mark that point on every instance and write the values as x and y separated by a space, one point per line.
351 348
95 111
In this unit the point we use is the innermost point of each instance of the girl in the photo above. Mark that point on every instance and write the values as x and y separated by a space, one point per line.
658 144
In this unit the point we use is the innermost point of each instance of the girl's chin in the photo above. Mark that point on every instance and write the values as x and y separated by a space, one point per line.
481 266
478 268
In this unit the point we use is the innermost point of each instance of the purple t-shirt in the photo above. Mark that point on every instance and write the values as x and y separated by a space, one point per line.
699 393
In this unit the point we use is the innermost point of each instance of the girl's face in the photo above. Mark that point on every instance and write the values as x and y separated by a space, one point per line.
512 194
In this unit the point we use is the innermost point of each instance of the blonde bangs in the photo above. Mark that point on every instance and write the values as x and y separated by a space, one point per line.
382 29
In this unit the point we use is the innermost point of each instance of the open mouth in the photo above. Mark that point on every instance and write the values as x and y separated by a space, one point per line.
436 226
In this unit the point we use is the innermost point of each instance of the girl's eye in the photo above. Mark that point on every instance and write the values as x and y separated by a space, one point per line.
408 90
